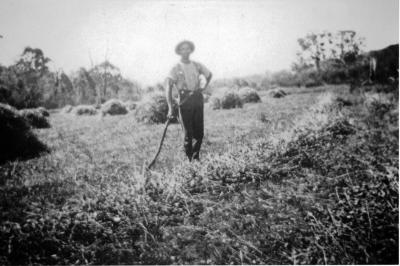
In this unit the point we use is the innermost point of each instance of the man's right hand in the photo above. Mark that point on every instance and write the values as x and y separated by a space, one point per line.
170 114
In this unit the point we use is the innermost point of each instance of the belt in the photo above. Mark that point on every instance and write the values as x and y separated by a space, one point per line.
182 91
188 94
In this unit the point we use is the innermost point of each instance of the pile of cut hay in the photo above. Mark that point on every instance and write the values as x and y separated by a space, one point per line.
67 109
153 108
84 110
113 107
277 93
18 141
43 111
130 105
249 95
225 99
34 118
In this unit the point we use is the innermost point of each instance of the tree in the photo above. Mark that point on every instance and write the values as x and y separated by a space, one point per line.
85 87
312 46
107 78
8 86
111 84
343 46
33 59
65 88
57 89
332 55
30 68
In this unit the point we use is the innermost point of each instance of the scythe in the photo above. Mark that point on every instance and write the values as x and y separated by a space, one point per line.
165 131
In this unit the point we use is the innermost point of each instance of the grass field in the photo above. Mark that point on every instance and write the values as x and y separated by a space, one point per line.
302 179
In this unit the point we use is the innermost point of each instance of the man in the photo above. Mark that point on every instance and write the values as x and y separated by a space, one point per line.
185 76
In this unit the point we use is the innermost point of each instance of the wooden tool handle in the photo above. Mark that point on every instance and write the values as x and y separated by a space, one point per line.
161 143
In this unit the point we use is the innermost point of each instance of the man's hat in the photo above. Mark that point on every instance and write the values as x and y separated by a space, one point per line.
178 46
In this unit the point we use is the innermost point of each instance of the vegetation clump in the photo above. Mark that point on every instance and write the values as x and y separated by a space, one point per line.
249 95
67 109
84 110
43 111
130 105
17 141
225 99
153 108
113 107
277 93
35 118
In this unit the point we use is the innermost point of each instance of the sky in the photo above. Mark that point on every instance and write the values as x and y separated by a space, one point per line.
233 38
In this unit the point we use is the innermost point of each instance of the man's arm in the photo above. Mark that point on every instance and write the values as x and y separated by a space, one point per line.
168 91
205 72
208 79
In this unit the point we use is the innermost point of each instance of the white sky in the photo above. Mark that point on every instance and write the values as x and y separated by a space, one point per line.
232 38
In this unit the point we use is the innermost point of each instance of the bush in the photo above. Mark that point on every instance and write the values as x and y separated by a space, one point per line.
113 107
249 95
84 110
130 105
17 139
35 118
284 78
153 108
313 83
225 99
308 78
277 93
67 109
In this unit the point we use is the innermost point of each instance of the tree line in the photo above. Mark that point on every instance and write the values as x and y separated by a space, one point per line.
29 83
323 57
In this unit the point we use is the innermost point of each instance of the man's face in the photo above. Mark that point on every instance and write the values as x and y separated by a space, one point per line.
185 50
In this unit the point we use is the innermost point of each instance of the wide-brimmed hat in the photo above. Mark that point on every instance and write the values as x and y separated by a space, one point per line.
178 46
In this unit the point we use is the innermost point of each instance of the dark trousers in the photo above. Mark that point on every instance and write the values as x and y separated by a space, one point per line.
191 114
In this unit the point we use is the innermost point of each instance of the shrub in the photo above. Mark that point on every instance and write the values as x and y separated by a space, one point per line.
153 108
84 110
113 107
284 78
309 83
249 95
17 139
225 99
35 118
308 78
277 93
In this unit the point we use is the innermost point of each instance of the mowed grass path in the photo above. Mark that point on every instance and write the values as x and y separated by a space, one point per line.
117 145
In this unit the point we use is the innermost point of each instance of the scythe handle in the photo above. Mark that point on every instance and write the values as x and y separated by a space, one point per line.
161 143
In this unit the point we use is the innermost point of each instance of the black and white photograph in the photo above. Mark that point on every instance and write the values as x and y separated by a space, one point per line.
208 132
